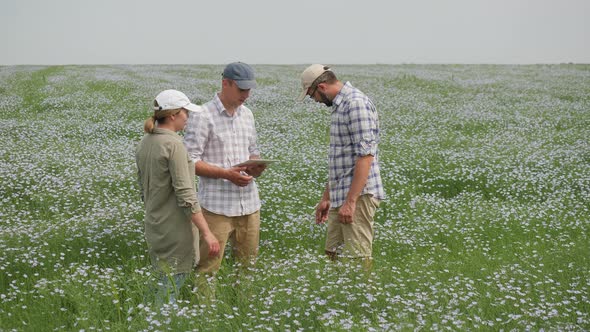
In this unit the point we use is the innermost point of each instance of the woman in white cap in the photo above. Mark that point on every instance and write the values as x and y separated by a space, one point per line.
166 179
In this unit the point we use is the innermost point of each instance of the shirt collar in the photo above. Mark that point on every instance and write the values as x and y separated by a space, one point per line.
346 88
221 109
164 131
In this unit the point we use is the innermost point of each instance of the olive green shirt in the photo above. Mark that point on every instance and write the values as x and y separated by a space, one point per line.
166 179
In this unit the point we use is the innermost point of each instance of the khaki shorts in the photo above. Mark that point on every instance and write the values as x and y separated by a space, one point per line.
355 239
243 233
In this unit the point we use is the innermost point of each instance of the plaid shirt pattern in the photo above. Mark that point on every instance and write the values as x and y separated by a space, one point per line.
354 132
219 139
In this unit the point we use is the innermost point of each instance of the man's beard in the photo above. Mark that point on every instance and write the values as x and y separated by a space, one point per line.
325 99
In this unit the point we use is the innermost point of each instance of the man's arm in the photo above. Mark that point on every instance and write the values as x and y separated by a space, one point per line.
236 175
254 152
323 207
359 180
364 132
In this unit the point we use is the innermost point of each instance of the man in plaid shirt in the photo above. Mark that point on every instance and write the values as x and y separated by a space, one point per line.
354 189
217 138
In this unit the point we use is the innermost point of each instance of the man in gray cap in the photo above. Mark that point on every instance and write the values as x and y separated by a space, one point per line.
217 138
354 188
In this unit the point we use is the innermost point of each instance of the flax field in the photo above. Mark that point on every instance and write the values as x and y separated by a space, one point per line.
486 225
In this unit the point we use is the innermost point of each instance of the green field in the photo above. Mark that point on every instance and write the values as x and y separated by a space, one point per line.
486 225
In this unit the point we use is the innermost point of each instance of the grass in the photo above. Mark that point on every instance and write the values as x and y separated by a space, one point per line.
485 227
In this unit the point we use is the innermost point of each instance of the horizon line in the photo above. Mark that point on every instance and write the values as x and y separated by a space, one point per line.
304 64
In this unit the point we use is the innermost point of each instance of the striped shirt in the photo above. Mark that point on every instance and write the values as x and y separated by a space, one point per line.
215 137
354 132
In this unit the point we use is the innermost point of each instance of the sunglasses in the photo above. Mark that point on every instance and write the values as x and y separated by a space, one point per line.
315 88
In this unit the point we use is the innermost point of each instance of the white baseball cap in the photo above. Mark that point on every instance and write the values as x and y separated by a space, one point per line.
173 99
309 75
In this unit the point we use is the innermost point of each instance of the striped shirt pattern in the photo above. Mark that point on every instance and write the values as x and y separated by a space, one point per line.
219 139
354 132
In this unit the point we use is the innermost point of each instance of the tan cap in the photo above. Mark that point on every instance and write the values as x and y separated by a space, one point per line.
309 75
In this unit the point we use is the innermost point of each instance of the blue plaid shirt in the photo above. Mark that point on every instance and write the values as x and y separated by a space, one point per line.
354 132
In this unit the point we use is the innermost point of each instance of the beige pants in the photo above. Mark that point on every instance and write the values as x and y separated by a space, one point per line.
243 233
355 239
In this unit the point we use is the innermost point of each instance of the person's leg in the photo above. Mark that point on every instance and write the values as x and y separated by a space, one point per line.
177 281
221 227
245 244
358 236
334 238
246 238
168 288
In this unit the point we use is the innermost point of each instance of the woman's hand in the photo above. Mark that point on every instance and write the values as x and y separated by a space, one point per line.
212 243
206 234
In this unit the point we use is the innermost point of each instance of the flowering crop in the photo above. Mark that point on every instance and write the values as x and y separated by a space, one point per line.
486 224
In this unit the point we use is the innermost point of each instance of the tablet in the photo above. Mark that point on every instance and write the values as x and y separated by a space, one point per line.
253 162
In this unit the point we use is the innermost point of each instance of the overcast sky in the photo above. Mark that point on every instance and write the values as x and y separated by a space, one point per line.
293 32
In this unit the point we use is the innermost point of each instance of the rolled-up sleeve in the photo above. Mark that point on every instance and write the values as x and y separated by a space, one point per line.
364 127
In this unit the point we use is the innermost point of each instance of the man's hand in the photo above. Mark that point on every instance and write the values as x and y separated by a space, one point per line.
238 176
321 211
256 170
346 212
